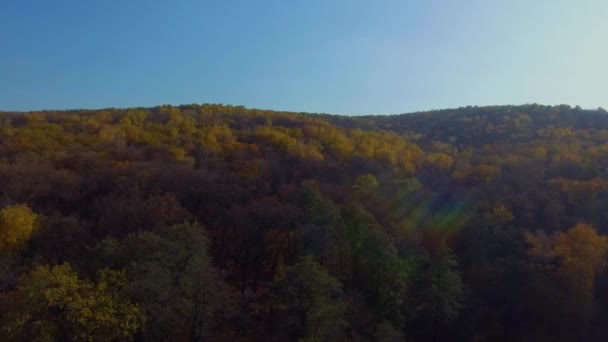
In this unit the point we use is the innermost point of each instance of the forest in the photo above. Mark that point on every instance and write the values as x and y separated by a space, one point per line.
221 223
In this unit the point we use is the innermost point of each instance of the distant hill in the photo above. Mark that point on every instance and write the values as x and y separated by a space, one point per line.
480 125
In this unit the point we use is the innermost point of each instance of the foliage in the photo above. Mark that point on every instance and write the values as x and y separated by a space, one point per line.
459 224
582 255
53 303
311 298
171 278
17 224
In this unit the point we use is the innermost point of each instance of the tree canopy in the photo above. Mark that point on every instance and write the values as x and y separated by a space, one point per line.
221 223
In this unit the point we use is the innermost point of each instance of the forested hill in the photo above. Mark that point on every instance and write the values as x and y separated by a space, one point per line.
221 223
482 125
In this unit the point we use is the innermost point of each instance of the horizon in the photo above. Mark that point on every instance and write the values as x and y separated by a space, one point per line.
344 58
597 109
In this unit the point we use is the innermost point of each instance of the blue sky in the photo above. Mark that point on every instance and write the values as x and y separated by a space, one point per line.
345 57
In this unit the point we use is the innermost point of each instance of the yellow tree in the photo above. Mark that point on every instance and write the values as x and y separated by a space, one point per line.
54 304
582 253
439 161
17 224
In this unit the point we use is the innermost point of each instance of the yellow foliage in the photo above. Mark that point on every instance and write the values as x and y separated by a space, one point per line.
17 224
502 214
67 306
582 253
440 161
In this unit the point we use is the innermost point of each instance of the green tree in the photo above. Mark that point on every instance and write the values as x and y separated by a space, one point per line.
317 220
311 300
366 183
438 296
446 292
172 279
365 259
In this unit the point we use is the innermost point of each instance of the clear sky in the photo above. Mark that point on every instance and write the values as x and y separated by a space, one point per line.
334 56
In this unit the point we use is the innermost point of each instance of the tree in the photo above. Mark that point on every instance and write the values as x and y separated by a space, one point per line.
446 292
311 299
438 296
567 266
582 255
53 303
172 279
17 224
365 259
316 222
366 183
501 214
439 161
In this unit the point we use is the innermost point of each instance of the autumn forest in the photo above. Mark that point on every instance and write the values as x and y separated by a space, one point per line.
222 223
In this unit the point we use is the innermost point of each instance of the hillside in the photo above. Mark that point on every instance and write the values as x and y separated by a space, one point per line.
221 223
